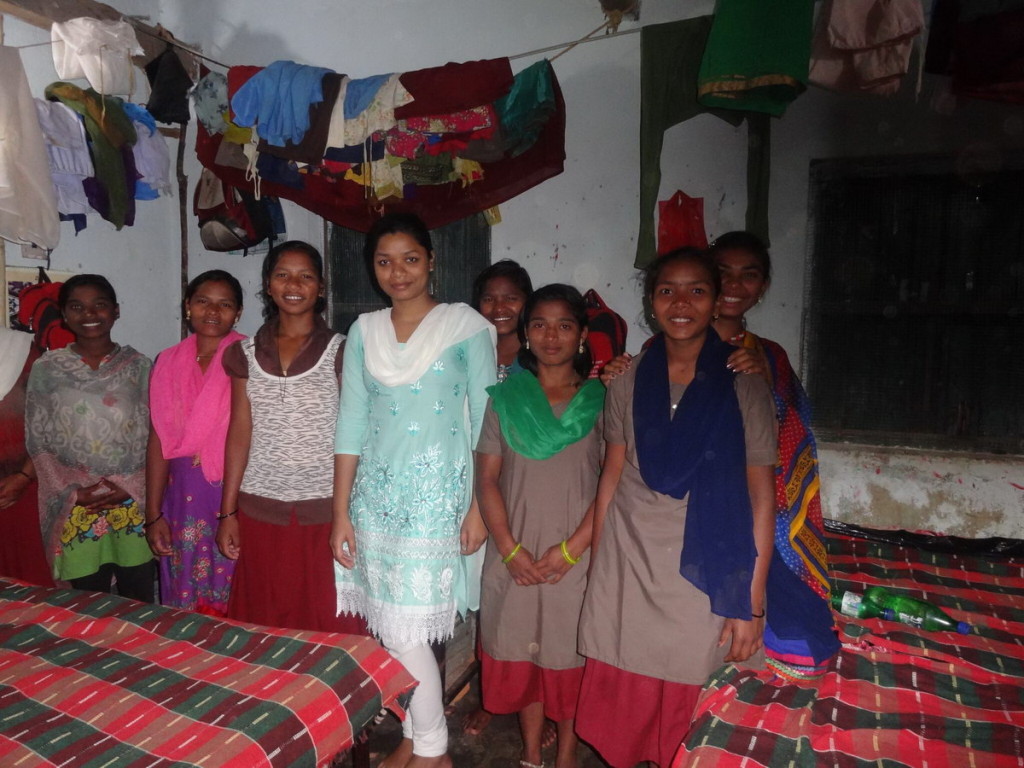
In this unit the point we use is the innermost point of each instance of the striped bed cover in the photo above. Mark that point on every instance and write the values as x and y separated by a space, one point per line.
97 681
895 696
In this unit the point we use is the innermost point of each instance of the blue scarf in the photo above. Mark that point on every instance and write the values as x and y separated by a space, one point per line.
701 452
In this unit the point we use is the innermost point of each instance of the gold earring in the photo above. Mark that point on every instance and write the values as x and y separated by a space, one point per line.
581 347
188 314
714 317
527 343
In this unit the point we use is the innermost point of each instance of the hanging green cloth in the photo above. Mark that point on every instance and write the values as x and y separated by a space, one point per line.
526 108
670 58
758 55
530 427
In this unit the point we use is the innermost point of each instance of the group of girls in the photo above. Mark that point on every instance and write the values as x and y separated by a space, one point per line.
631 532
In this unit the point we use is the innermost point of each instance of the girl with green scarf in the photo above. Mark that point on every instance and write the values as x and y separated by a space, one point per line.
538 461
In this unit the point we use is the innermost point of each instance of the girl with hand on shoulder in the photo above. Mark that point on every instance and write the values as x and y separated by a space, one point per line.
799 636
683 525
406 524
86 424
538 462
275 517
189 406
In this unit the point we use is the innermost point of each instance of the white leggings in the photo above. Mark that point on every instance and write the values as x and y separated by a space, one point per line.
424 723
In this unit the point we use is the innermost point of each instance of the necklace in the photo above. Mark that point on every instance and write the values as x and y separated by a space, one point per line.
202 357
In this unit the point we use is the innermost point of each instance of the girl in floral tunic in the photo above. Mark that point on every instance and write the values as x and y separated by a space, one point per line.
87 422
413 397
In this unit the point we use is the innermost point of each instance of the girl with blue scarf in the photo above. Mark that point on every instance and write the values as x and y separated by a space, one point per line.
683 525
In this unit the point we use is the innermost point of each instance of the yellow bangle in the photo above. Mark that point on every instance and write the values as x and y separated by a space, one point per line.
515 551
565 553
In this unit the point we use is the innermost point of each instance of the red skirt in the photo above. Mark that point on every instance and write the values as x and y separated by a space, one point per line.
629 718
21 545
511 686
285 578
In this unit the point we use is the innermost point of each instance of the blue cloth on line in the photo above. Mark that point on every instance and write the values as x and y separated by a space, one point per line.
360 93
277 99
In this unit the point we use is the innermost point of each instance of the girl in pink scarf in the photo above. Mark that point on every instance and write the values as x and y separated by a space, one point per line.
190 403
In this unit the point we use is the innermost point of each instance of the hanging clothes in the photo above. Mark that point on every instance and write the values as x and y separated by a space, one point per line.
111 134
28 202
68 154
862 46
379 113
99 50
210 100
152 158
311 149
169 84
276 100
757 55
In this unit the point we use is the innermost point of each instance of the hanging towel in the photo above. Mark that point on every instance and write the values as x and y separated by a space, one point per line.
863 46
99 51
28 202
757 55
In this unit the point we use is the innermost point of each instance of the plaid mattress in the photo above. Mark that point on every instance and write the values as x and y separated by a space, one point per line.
895 696
100 681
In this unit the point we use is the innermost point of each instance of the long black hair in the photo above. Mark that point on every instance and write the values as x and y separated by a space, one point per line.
270 309
582 362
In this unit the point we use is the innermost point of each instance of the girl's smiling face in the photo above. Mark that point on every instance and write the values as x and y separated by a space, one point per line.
683 300
743 282
501 302
294 284
90 313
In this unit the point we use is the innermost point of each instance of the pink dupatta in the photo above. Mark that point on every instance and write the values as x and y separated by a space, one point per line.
190 409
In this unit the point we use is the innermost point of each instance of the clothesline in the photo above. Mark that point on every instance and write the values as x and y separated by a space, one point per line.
561 47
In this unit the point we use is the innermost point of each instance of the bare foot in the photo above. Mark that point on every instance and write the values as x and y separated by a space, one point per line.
550 735
400 757
418 761
476 721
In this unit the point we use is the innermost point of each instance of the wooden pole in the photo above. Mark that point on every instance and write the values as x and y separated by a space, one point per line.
183 222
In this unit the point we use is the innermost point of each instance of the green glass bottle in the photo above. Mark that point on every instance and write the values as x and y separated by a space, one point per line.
855 605
914 612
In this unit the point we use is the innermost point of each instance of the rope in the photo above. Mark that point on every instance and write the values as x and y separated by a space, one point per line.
565 47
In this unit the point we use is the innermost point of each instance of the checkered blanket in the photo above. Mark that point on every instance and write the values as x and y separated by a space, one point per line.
895 695
96 680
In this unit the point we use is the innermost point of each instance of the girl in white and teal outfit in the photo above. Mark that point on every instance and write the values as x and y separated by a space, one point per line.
413 396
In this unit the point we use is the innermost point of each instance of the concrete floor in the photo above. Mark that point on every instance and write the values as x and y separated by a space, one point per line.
499 746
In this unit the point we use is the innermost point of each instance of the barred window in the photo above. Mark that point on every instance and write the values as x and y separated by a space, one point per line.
914 314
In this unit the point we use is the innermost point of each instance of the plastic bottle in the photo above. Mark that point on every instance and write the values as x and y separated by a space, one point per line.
855 605
879 602
916 613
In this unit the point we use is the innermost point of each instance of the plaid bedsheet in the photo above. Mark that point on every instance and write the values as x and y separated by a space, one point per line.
895 696
91 680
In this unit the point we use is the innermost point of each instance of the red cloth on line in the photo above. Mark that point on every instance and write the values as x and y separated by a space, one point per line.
454 87
510 686
629 718
285 578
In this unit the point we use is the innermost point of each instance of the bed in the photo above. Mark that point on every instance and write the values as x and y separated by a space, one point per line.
96 680
895 695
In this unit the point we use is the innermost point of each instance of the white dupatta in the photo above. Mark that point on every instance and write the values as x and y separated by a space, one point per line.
394 364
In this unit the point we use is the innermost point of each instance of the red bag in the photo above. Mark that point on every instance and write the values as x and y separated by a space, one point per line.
230 219
681 223
39 312
606 335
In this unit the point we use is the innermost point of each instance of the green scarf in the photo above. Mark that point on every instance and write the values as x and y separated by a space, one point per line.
528 423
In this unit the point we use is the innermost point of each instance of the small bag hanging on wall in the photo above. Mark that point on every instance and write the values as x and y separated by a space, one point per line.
230 219
606 334
39 311
681 223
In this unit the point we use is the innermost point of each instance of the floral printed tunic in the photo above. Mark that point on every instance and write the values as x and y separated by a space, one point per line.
412 489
